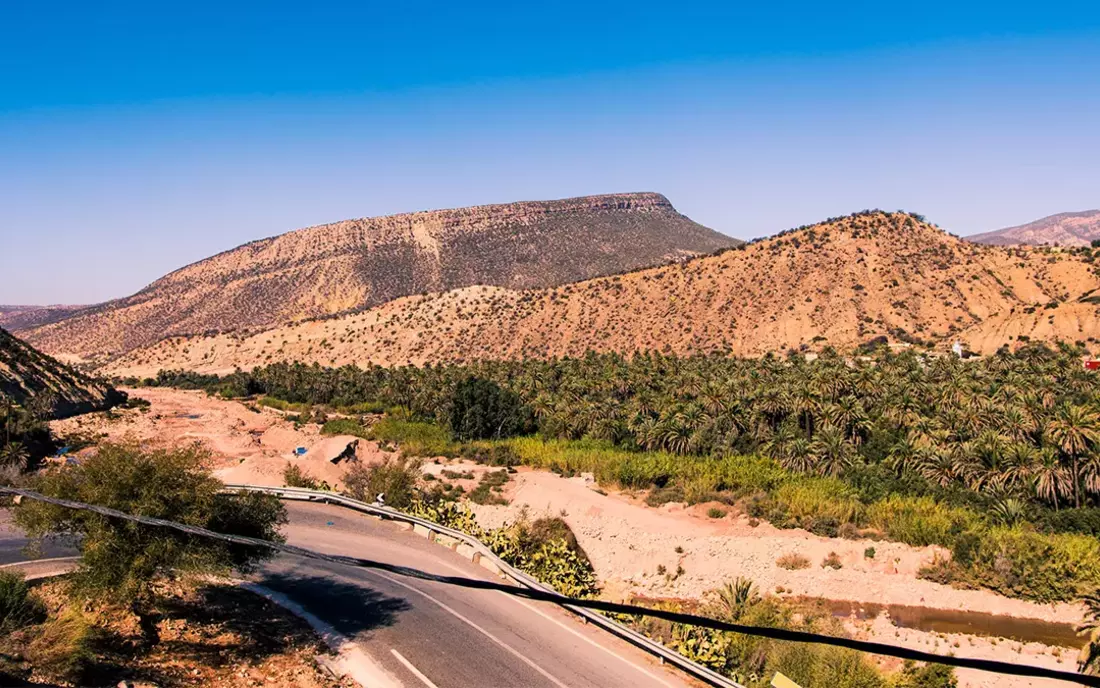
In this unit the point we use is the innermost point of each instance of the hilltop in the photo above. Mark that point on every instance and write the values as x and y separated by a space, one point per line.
841 282
354 265
26 317
28 375
1063 229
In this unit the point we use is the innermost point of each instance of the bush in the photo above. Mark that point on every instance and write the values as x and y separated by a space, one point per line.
548 550
1084 520
414 438
19 607
491 454
344 426
869 553
122 560
1023 563
715 512
919 521
926 676
792 562
482 409
395 478
832 561
489 487
295 476
62 647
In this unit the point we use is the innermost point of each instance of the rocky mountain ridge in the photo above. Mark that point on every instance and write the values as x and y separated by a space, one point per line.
1063 229
28 375
841 283
354 265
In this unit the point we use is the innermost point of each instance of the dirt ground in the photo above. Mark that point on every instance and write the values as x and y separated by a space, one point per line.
626 540
220 636
247 446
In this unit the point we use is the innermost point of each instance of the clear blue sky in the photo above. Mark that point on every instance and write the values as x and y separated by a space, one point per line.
138 137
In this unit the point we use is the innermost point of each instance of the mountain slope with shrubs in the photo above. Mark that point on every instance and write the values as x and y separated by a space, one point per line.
358 264
842 283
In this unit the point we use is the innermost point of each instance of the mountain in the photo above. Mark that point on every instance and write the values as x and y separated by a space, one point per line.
28 375
358 264
26 317
841 282
1063 229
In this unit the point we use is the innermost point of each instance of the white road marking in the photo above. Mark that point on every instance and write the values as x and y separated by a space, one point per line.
572 630
415 672
516 653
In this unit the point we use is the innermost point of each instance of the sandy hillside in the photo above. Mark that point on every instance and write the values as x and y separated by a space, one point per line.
356 264
842 283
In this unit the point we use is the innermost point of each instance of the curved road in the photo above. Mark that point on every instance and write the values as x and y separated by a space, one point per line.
423 634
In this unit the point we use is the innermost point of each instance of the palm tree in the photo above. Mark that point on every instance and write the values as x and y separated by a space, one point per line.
14 454
832 451
1074 430
1052 480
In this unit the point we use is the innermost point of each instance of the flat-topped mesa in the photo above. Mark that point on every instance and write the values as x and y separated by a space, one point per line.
357 264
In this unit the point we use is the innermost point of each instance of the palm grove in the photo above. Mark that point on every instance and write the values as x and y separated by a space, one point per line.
1002 452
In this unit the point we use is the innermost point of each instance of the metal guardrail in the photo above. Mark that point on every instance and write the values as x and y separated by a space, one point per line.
694 669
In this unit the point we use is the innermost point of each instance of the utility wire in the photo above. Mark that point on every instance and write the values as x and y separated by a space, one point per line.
600 605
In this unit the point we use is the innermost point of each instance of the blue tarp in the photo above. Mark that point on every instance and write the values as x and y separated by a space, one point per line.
300 451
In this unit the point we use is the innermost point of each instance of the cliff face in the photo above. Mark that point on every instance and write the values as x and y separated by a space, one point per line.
27 374
358 264
840 283
1064 229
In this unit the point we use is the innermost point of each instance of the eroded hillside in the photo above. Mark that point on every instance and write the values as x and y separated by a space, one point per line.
841 282
28 375
353 265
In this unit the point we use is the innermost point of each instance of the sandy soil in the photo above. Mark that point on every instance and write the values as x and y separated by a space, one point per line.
247 446
626 540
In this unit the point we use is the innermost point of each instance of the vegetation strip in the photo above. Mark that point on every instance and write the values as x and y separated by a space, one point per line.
608 607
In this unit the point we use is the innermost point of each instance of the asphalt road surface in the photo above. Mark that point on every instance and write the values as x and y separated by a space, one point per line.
424 634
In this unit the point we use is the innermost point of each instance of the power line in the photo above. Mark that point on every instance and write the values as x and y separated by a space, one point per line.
599 605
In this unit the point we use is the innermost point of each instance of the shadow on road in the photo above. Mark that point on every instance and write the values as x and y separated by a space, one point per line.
351 609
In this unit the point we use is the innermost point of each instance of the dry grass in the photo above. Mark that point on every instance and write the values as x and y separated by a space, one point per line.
792 562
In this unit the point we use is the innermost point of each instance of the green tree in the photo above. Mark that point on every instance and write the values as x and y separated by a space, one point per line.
481 409
122 561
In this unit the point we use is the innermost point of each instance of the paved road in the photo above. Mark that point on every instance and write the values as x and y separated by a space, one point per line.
425 634
443 635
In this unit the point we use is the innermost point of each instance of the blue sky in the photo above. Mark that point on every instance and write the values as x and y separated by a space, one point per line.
136 138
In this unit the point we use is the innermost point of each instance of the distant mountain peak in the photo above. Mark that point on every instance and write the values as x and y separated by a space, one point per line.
1064 229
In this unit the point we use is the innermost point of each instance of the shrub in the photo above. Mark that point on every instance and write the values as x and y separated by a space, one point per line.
414 438
869 553
121 560
548 550
395 478
344 426
832 561
19 607
792 562
295 476
926 676
715 512
489 487
1021 562
919 521
62 647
